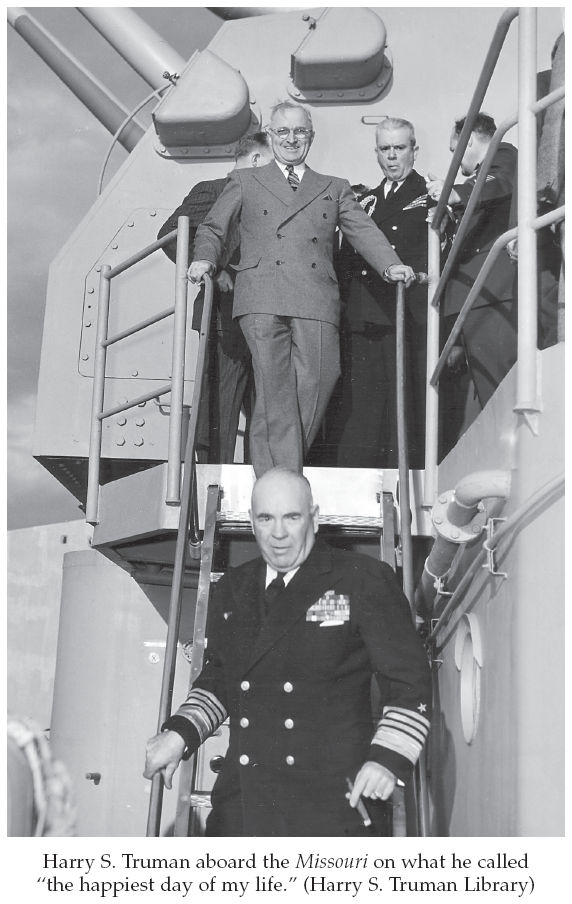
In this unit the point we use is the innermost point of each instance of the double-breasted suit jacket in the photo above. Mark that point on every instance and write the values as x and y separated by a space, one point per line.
363 416
287 241
296 687
287 297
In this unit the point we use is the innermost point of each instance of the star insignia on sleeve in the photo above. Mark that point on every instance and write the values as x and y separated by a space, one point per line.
422 707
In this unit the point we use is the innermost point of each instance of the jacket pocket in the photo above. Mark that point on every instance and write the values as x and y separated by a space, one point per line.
246 264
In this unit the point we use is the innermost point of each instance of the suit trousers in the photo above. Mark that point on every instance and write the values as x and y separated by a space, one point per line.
296 364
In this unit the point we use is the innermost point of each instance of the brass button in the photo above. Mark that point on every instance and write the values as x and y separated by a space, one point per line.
278 263
289 723
245 685
364 272
314 266
244 723
394 227
314 240
244 761
265 212
290 760
325 216
279 236
288 687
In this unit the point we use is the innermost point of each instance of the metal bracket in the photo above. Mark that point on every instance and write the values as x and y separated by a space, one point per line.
490 563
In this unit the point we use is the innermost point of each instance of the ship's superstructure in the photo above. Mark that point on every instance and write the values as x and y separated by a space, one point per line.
117 412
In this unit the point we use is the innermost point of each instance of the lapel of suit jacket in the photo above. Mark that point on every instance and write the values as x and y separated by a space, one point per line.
246 609
412 187
272 178
308 585
311 186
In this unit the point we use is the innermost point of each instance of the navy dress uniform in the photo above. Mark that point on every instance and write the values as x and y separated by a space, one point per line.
296 687
362 417
286 270
490 331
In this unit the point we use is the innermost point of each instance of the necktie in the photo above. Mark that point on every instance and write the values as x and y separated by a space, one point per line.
293 179
392 190
273 589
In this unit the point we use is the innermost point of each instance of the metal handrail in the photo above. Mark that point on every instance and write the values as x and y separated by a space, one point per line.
487 71
181 551
539 223
176 384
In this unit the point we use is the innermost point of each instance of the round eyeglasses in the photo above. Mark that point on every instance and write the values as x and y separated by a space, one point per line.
298 132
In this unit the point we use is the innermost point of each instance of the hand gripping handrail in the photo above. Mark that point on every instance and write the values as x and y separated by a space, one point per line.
175 386
186 517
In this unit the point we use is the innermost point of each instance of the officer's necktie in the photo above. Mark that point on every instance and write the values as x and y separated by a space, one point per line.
392 190
293 179
273 589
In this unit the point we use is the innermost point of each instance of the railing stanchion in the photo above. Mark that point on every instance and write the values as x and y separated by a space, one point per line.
181 549
526 395
432 392
178 365
92 502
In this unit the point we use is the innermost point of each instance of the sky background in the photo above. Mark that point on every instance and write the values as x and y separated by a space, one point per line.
55 152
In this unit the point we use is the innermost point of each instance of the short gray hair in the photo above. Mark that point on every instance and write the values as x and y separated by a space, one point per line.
394 122
289 105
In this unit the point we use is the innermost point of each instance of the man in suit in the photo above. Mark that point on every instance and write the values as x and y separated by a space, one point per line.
228 372
294 639
361 422
286 291
490 331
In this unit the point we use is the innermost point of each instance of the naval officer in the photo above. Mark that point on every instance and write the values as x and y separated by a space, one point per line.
294 638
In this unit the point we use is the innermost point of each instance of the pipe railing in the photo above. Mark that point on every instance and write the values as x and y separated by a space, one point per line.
527 227
188 512
485 77
175 385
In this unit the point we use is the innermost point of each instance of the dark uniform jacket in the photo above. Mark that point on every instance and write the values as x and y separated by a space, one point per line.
296 686
287 240
196 205
403 219
490 220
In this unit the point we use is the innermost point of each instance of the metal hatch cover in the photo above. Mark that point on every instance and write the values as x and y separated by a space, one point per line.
342 58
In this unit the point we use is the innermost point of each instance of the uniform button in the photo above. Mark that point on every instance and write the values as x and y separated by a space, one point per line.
244 723
314 240
245 685
244 761
314 266
288 687
265 212
325 216
364 272
394 227
289 723
279 236
289 760
278 263
393 246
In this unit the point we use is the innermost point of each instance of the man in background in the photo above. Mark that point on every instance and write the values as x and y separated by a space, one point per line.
362 419
228 376
490 331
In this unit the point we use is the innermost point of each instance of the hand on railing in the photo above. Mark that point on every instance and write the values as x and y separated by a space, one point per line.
198 269
399 273
435 189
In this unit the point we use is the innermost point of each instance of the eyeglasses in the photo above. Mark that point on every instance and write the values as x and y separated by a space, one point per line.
298 132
